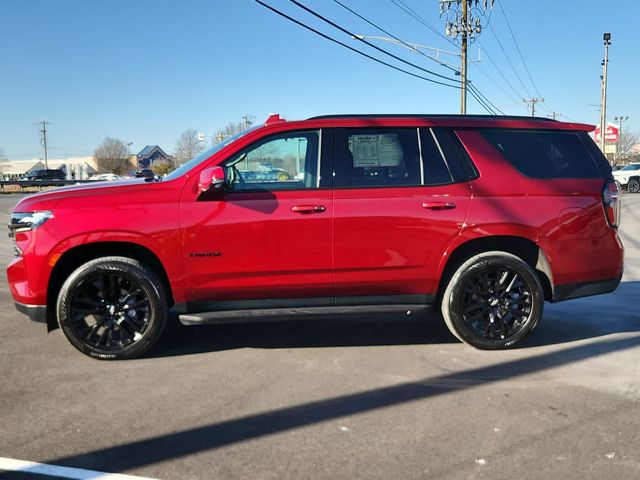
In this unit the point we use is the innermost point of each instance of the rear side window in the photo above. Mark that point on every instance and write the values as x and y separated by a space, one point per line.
376 157
458 159
545 153
436 171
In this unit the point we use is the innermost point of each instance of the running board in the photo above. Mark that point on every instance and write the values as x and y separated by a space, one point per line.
271 314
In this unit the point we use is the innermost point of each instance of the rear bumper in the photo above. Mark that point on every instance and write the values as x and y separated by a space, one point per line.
585 289
37 313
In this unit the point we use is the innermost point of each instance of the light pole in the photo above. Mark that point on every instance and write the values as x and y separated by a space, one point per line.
603 109
129 148
619 119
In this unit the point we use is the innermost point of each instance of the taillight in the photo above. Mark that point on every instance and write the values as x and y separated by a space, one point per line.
611 200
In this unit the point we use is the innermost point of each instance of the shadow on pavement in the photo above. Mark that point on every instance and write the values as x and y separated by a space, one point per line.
323 331
569 321
152 450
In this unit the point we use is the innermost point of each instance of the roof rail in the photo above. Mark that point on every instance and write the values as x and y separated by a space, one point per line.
432 116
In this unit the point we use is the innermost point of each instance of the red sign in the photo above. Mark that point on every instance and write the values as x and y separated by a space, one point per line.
611 134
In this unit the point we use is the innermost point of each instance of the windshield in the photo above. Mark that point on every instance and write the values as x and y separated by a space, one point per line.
185 167
633 166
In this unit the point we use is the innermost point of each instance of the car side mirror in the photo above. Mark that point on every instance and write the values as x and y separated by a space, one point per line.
212 178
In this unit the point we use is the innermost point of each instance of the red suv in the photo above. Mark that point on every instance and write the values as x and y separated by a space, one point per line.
484 217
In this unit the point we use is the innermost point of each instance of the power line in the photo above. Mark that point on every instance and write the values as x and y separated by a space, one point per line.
405 8
500 87
370 57
518 49
375 47
482 100
499 70
408 45
509 61
475 89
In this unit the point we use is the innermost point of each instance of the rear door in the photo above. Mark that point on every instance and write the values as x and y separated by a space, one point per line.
397 206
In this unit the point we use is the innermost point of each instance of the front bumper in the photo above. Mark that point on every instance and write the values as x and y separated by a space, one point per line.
37 313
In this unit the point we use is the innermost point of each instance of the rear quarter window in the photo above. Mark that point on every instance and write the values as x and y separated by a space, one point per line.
545 153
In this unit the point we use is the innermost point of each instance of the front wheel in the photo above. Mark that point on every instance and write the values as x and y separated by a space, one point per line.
112 308
634 185
492 301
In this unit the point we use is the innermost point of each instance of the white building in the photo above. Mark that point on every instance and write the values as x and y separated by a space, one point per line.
76 167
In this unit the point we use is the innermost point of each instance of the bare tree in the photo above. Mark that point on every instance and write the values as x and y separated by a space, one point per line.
232 128
112 156
188 146
626 143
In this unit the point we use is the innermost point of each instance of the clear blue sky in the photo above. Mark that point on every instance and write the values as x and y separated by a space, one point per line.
146 70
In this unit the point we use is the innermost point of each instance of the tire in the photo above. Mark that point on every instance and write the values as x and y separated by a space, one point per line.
96 302
634 185
487 310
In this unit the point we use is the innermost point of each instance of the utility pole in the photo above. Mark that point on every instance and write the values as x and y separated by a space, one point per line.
247 121
43 141
554 115
461 21
603 101
463 64
533 102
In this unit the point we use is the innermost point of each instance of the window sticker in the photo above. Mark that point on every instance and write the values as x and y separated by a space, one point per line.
382 150
365 150
390 150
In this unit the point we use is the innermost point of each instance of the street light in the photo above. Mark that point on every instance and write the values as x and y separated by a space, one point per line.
603 100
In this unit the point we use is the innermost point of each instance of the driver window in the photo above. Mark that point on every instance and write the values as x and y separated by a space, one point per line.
282 162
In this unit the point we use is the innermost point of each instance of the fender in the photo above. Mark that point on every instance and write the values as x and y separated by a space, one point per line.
498 237
166 248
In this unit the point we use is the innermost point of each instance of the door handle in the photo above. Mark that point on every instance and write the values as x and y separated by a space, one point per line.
438 205
308 208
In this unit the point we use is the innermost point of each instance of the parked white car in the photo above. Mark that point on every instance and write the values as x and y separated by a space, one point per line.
629 177
107 176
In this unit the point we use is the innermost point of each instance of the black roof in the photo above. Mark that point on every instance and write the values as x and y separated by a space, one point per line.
433 116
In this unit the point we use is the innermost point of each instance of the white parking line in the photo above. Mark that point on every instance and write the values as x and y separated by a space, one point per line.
13 465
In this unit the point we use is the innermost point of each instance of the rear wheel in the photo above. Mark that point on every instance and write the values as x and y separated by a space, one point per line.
493 300
634 185
112 308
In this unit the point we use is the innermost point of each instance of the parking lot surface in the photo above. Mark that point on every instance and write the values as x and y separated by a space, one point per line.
371 397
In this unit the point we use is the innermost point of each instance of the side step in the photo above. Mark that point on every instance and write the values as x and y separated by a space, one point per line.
272 314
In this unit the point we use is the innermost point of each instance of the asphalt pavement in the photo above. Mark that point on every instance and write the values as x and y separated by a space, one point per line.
389 397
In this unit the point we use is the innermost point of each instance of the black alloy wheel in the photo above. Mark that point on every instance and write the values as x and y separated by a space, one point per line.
634 185
110 311
493 300
496 303
112 308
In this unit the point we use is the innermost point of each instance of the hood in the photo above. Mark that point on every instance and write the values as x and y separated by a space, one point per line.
47 199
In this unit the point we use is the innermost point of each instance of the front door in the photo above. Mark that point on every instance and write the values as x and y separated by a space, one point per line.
267 237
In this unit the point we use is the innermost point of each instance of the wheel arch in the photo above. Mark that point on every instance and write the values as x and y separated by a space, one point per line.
522 247
80 254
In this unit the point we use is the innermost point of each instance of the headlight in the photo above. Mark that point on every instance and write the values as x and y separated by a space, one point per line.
23 221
